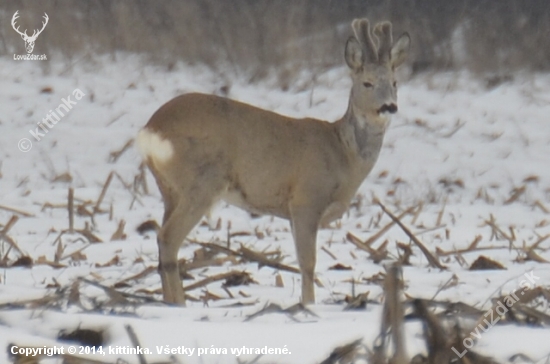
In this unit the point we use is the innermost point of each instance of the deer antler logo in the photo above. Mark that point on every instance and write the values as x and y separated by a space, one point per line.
29 41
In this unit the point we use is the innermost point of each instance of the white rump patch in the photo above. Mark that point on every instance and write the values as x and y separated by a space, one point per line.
150 144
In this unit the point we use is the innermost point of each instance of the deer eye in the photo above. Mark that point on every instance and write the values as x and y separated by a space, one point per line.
394 84
368 84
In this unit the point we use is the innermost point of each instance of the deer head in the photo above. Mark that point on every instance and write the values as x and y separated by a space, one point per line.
373 58
29 40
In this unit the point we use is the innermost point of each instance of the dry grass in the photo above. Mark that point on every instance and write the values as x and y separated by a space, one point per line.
443 322
265 37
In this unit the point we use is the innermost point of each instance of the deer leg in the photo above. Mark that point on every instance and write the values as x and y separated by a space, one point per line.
305 223
180 218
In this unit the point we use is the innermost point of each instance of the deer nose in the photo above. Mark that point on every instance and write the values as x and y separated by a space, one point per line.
391 108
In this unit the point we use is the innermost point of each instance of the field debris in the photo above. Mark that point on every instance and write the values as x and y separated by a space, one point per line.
271 259
432 260
463 191
290 311
390 345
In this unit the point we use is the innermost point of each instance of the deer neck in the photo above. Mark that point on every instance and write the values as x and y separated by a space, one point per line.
362 134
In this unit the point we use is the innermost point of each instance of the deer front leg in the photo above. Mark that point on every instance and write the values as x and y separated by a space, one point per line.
305 222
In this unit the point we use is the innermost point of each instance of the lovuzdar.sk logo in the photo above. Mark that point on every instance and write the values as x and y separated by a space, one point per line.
29 40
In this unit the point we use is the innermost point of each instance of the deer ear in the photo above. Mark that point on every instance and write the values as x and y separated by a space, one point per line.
400 50
354 54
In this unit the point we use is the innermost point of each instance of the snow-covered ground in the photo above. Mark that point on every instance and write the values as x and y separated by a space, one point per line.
465 153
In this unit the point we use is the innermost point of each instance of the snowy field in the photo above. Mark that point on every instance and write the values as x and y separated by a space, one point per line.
471 161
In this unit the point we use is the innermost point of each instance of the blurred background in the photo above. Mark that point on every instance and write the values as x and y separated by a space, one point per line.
256 37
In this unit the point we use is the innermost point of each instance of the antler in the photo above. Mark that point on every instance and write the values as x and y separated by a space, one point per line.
376 45
35 33
44 23
362 32
383 31
13 19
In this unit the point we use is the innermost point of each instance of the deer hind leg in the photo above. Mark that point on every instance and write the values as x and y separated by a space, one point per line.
182 212
305 222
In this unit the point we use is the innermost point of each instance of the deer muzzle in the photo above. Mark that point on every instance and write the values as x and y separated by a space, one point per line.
390 108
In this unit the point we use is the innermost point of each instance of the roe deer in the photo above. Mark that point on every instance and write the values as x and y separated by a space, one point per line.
204 148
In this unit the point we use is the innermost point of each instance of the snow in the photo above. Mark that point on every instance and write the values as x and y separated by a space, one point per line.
455 144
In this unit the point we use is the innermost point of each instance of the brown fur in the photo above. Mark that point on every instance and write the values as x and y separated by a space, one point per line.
204 148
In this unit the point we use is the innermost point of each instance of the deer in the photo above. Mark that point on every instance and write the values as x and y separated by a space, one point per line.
204 148
29 41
